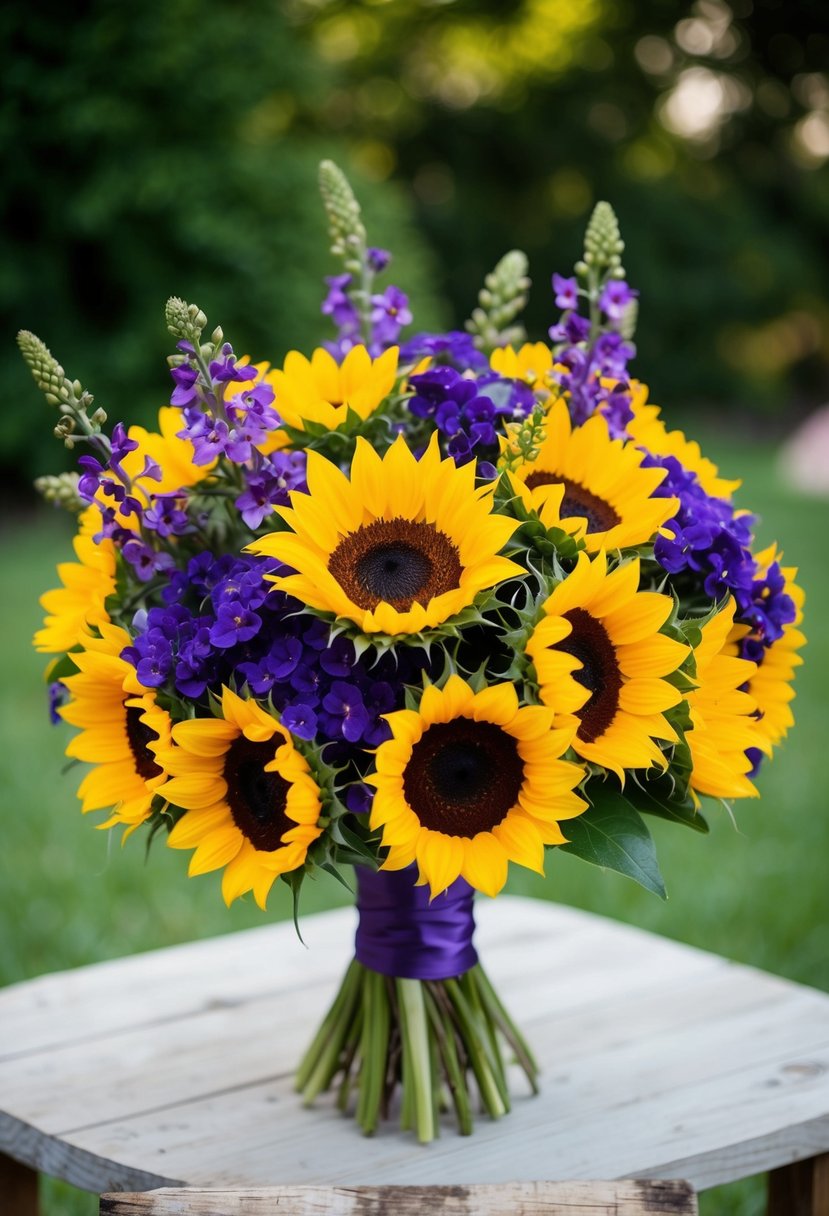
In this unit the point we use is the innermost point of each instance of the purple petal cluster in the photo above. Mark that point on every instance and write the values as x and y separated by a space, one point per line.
771 609
592 363
389 313
115 494
709 537
594 375
269 485
457 348
223 623
215 424
468 417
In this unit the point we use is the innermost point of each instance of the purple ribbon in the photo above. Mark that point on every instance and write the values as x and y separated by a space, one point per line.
402 934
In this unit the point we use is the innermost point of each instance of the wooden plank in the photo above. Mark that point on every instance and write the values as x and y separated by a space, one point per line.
652 1052
800 1189
640 1198
232 1046
153 988
259 1136
18 1188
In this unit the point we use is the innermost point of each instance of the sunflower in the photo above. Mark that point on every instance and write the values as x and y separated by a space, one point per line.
647 430
78 607
402 545
122 730
722 714
469 782
250 802
600 661
532 363
592 486
319 391
771 683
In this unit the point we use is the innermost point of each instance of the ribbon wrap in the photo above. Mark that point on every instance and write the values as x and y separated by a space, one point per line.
402 934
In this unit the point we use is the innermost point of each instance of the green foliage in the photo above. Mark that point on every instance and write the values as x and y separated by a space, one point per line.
612 834
500 300
165 148
521 116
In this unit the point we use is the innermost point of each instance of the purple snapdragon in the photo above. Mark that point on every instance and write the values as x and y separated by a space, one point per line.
615 298
270 485
591 359
217 424
388 311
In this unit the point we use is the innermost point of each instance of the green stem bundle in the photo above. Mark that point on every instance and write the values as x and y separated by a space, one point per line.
430 1037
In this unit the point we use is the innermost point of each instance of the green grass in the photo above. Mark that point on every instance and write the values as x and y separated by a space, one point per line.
69 895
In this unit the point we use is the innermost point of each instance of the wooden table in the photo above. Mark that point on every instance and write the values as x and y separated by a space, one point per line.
174 1068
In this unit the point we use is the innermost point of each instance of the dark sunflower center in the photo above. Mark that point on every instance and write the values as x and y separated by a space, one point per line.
139 736
590 644
256 799
578 500
463 777
396 561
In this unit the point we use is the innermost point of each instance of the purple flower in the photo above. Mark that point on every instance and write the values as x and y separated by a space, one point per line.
448 417
165 515
90 479
210 444
615 298
344 712
235 623
225 368
389 314
300 719
378 259
359 797
145 561
455 347
339 658
121 443
271 485
573 329
58 696
339 307
566 292
186 391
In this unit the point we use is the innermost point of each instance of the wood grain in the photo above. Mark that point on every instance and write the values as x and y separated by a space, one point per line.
174 1068
638 1198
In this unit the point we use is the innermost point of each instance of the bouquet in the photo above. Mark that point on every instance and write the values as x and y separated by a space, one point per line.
425 608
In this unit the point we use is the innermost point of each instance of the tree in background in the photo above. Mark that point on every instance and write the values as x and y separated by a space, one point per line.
706 124
171 148
157 149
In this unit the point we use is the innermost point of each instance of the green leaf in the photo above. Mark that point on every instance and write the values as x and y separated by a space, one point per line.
294 880
64 666
612 834
655 798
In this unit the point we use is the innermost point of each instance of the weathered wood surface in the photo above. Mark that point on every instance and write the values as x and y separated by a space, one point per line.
659 1061
519 1199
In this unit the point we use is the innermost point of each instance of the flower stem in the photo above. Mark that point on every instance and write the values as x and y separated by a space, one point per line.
426 1036
415 1029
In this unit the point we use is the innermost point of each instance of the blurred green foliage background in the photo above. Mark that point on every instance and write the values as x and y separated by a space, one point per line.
171 148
